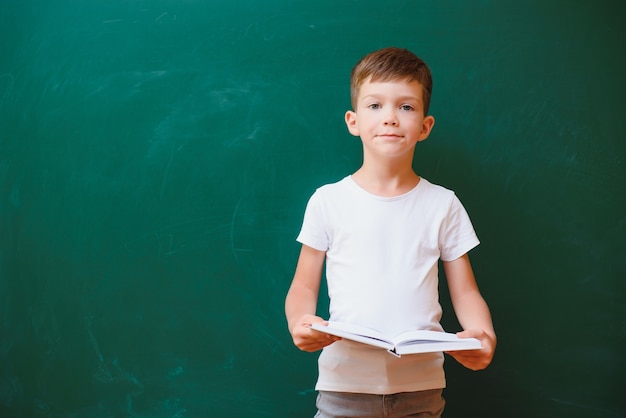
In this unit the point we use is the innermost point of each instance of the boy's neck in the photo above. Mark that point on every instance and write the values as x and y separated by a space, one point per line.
386 180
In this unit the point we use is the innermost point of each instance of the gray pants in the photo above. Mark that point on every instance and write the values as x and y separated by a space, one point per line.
425 404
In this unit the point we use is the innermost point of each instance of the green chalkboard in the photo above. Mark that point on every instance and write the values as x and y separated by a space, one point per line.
156 158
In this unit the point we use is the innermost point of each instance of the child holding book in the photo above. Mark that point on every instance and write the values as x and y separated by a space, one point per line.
380 232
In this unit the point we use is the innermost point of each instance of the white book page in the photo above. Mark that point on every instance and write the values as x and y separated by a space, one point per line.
355 333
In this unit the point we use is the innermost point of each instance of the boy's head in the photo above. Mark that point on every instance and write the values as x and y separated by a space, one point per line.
391 64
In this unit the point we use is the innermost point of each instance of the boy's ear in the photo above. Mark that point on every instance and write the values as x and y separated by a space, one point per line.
351 123
427 126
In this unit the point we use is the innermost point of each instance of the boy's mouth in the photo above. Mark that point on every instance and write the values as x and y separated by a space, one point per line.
389 136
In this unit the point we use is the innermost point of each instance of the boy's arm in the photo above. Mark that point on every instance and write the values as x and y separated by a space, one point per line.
301 302
472 312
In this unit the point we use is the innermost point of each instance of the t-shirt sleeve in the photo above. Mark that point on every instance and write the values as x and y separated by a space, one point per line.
312 232
457 235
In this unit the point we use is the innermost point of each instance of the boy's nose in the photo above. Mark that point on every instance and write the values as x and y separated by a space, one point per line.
390 119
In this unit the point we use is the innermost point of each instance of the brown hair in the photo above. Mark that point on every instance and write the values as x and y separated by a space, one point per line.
391 64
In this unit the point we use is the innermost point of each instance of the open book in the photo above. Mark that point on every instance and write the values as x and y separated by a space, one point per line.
409 342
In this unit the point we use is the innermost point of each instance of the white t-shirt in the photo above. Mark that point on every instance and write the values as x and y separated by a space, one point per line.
382 272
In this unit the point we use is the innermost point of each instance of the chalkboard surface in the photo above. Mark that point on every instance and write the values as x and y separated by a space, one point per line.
156 158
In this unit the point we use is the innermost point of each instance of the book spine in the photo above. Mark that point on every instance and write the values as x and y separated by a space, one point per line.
393 352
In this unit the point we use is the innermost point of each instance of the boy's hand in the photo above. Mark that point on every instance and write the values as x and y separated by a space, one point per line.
307 339
475 359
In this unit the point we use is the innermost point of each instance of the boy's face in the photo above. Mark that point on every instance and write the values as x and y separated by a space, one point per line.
389 117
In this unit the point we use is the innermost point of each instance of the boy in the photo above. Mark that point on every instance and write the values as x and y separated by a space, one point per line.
381 232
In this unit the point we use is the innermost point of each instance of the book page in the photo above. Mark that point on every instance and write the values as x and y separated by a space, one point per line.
423 341
416 336
355 333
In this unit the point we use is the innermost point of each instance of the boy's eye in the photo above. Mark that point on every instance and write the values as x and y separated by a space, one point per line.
406 107
374 106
